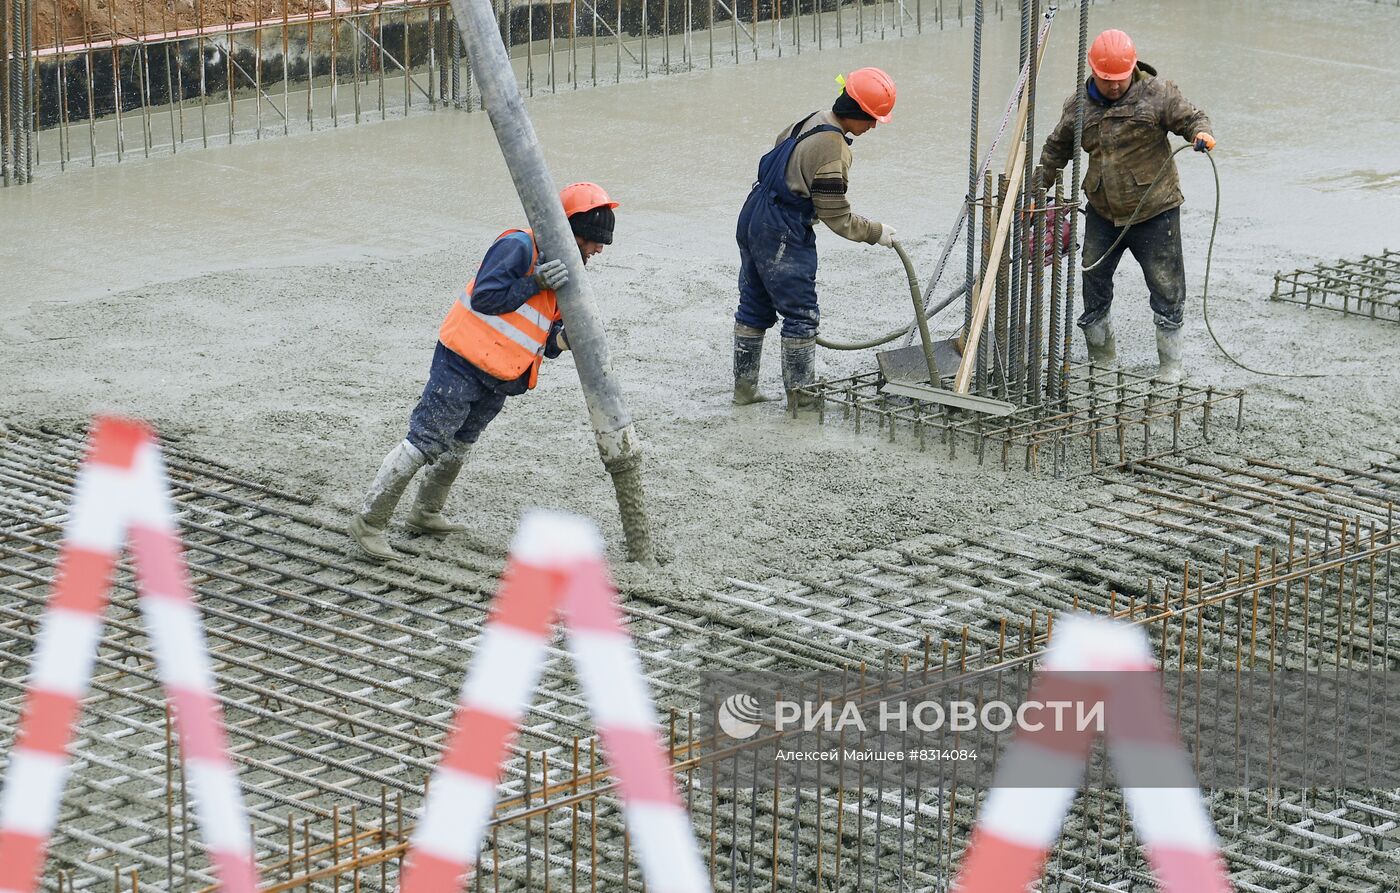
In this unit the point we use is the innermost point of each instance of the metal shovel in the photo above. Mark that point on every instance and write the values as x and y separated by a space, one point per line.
917 371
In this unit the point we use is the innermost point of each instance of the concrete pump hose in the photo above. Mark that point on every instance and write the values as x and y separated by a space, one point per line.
1210 252
914 292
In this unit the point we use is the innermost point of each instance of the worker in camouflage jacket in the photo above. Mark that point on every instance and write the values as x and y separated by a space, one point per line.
1128 116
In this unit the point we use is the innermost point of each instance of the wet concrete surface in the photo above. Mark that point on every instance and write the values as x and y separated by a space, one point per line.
277 302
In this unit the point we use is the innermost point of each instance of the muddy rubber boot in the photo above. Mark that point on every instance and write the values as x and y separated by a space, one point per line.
367 528
799 370
426 515
748 351
1169 356
1103 347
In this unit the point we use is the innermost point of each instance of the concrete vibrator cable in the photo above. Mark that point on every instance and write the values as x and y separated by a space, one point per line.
898 333
1205 285
1210 252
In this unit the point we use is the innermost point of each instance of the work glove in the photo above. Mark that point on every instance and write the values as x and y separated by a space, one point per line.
1204 142
551 275
562 340
886 236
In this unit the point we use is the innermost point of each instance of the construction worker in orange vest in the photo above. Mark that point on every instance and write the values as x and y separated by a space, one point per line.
498 332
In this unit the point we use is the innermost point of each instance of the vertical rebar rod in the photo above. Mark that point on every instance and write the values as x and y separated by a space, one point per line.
91 90
378 57
169 802
1015 355
1037 310
972 183
116 81
7 109
14 63
1032 334
203 77
228 66
172 99
455 39
1072 262
142 65
711 28
990 207
257 72
1004 362
31 117
1054 374
65 138
335 66
356 69
734 29
1001 325
443 56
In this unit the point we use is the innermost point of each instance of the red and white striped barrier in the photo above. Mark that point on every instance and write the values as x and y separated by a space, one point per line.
1019 825
556 561
120 497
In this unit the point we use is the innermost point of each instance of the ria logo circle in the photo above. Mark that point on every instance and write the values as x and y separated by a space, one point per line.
740 716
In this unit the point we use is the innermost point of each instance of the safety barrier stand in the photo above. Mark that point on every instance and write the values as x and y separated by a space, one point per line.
556 561
120 498
1096 660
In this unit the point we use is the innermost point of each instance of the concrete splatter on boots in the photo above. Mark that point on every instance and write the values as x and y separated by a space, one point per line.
1103 347
367 528
799 370
748 352
1169 356
426 515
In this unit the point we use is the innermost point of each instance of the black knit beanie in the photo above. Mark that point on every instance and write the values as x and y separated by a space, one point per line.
846 107
595 225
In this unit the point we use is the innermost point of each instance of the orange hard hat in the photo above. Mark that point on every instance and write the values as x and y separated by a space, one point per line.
873 91
580 197
1113 56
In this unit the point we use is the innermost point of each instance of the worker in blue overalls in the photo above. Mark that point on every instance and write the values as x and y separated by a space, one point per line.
802 179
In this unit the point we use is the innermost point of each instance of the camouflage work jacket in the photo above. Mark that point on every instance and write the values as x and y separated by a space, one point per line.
1127 145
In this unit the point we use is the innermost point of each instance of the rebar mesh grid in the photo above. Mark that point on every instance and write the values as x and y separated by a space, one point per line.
1368 286
1109 417
338 679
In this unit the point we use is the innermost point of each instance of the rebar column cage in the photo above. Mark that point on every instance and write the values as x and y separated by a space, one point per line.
1105 418
1368 286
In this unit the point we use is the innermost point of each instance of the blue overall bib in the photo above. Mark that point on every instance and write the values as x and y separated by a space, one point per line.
778 247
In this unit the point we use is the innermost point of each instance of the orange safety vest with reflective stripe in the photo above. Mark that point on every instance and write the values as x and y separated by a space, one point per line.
506 345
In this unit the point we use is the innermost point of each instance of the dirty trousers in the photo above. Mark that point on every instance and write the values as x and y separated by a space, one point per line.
456 404
777 271
1156 245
